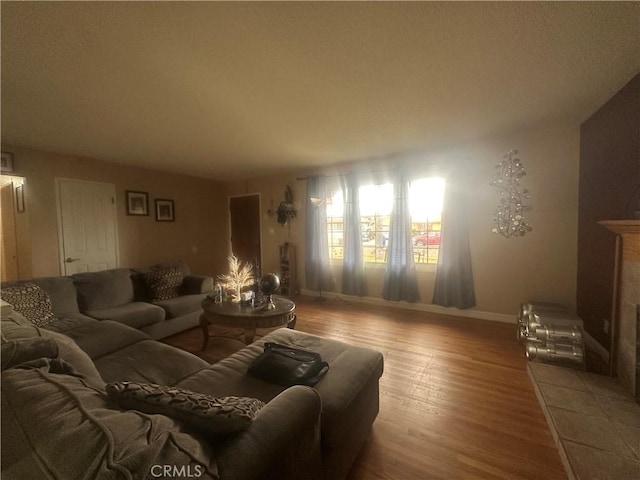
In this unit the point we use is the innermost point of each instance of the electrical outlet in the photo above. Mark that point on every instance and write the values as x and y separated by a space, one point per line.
605 325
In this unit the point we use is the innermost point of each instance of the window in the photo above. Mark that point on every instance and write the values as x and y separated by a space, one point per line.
376 202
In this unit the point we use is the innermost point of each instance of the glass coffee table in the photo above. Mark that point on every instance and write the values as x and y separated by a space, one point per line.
248 318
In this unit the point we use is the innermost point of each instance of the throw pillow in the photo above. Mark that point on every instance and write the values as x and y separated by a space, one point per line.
31 301
198 410
163 284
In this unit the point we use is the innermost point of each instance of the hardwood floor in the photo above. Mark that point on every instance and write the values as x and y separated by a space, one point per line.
455 399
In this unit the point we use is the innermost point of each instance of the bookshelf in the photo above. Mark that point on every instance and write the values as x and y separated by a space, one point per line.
288 280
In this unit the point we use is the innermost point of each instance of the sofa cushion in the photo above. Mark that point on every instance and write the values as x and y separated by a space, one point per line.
138 277
134 314
86 435
197 284
105 289
29 300
68 350
69 322
179 306
211 415
163 284
104 337
61 291
147 361
21 351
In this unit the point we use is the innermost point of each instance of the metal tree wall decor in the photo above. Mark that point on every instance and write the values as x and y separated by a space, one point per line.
508 219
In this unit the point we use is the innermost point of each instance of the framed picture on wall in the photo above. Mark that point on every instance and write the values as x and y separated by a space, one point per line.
164 210
137 203
6 162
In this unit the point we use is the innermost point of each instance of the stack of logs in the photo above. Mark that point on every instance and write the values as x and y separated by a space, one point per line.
551 334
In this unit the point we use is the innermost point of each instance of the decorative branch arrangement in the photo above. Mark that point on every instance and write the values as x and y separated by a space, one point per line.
240 276
508 219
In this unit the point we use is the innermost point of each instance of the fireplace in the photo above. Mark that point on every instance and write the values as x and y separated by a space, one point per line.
624 351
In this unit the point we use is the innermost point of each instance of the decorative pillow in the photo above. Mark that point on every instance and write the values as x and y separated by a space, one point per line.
31 301
200 411
163 284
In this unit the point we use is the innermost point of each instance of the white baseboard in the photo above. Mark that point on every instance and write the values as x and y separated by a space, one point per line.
421 307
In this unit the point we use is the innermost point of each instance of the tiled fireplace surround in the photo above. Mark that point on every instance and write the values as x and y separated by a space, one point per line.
595 419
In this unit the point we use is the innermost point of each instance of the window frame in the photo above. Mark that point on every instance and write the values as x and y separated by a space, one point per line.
335 260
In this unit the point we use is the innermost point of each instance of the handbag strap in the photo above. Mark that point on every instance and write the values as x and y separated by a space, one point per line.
316 378
297 353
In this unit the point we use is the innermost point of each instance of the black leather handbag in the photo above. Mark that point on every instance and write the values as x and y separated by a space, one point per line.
288 366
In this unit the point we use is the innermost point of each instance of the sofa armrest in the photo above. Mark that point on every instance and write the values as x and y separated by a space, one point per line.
282 442
194 284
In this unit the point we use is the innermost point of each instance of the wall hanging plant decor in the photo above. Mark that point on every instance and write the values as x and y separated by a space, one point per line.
286 211
508 219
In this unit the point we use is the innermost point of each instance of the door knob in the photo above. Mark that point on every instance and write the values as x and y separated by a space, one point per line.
69 259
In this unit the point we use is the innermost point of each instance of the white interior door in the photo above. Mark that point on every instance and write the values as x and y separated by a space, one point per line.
87 226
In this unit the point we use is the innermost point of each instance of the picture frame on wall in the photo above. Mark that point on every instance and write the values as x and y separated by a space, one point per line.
6 162
164 210
137 203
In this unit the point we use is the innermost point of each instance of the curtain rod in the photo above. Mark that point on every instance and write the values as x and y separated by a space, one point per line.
386 170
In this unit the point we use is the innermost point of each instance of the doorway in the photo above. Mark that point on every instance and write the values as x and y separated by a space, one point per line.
87 226
244 217
9 258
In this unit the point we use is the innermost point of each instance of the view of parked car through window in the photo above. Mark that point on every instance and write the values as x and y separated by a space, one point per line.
376 202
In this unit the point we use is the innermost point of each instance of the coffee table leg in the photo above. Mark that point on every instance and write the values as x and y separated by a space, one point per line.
292 323
249 334
204 324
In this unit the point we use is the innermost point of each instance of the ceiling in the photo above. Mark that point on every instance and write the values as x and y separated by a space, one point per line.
232 90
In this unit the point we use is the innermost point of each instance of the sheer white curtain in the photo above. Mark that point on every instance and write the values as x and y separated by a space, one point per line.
353 279
400 281
454 275
317 268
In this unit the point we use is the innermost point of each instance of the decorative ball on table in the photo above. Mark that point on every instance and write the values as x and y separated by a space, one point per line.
269 284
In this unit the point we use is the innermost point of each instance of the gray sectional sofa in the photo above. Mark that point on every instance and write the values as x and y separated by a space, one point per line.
127 296
59 419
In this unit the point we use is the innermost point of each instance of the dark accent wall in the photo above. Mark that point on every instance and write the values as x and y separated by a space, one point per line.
609 190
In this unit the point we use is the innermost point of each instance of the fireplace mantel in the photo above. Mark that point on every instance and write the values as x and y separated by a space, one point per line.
624 348
629 230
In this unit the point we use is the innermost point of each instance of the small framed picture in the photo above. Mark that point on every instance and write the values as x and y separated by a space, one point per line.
164 210
6 162
20 198
137 203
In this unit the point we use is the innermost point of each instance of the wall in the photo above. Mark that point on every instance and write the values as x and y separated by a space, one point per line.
271 190
198 236
538 266
609 183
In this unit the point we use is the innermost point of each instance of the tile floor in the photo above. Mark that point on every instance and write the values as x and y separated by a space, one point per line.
594 421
